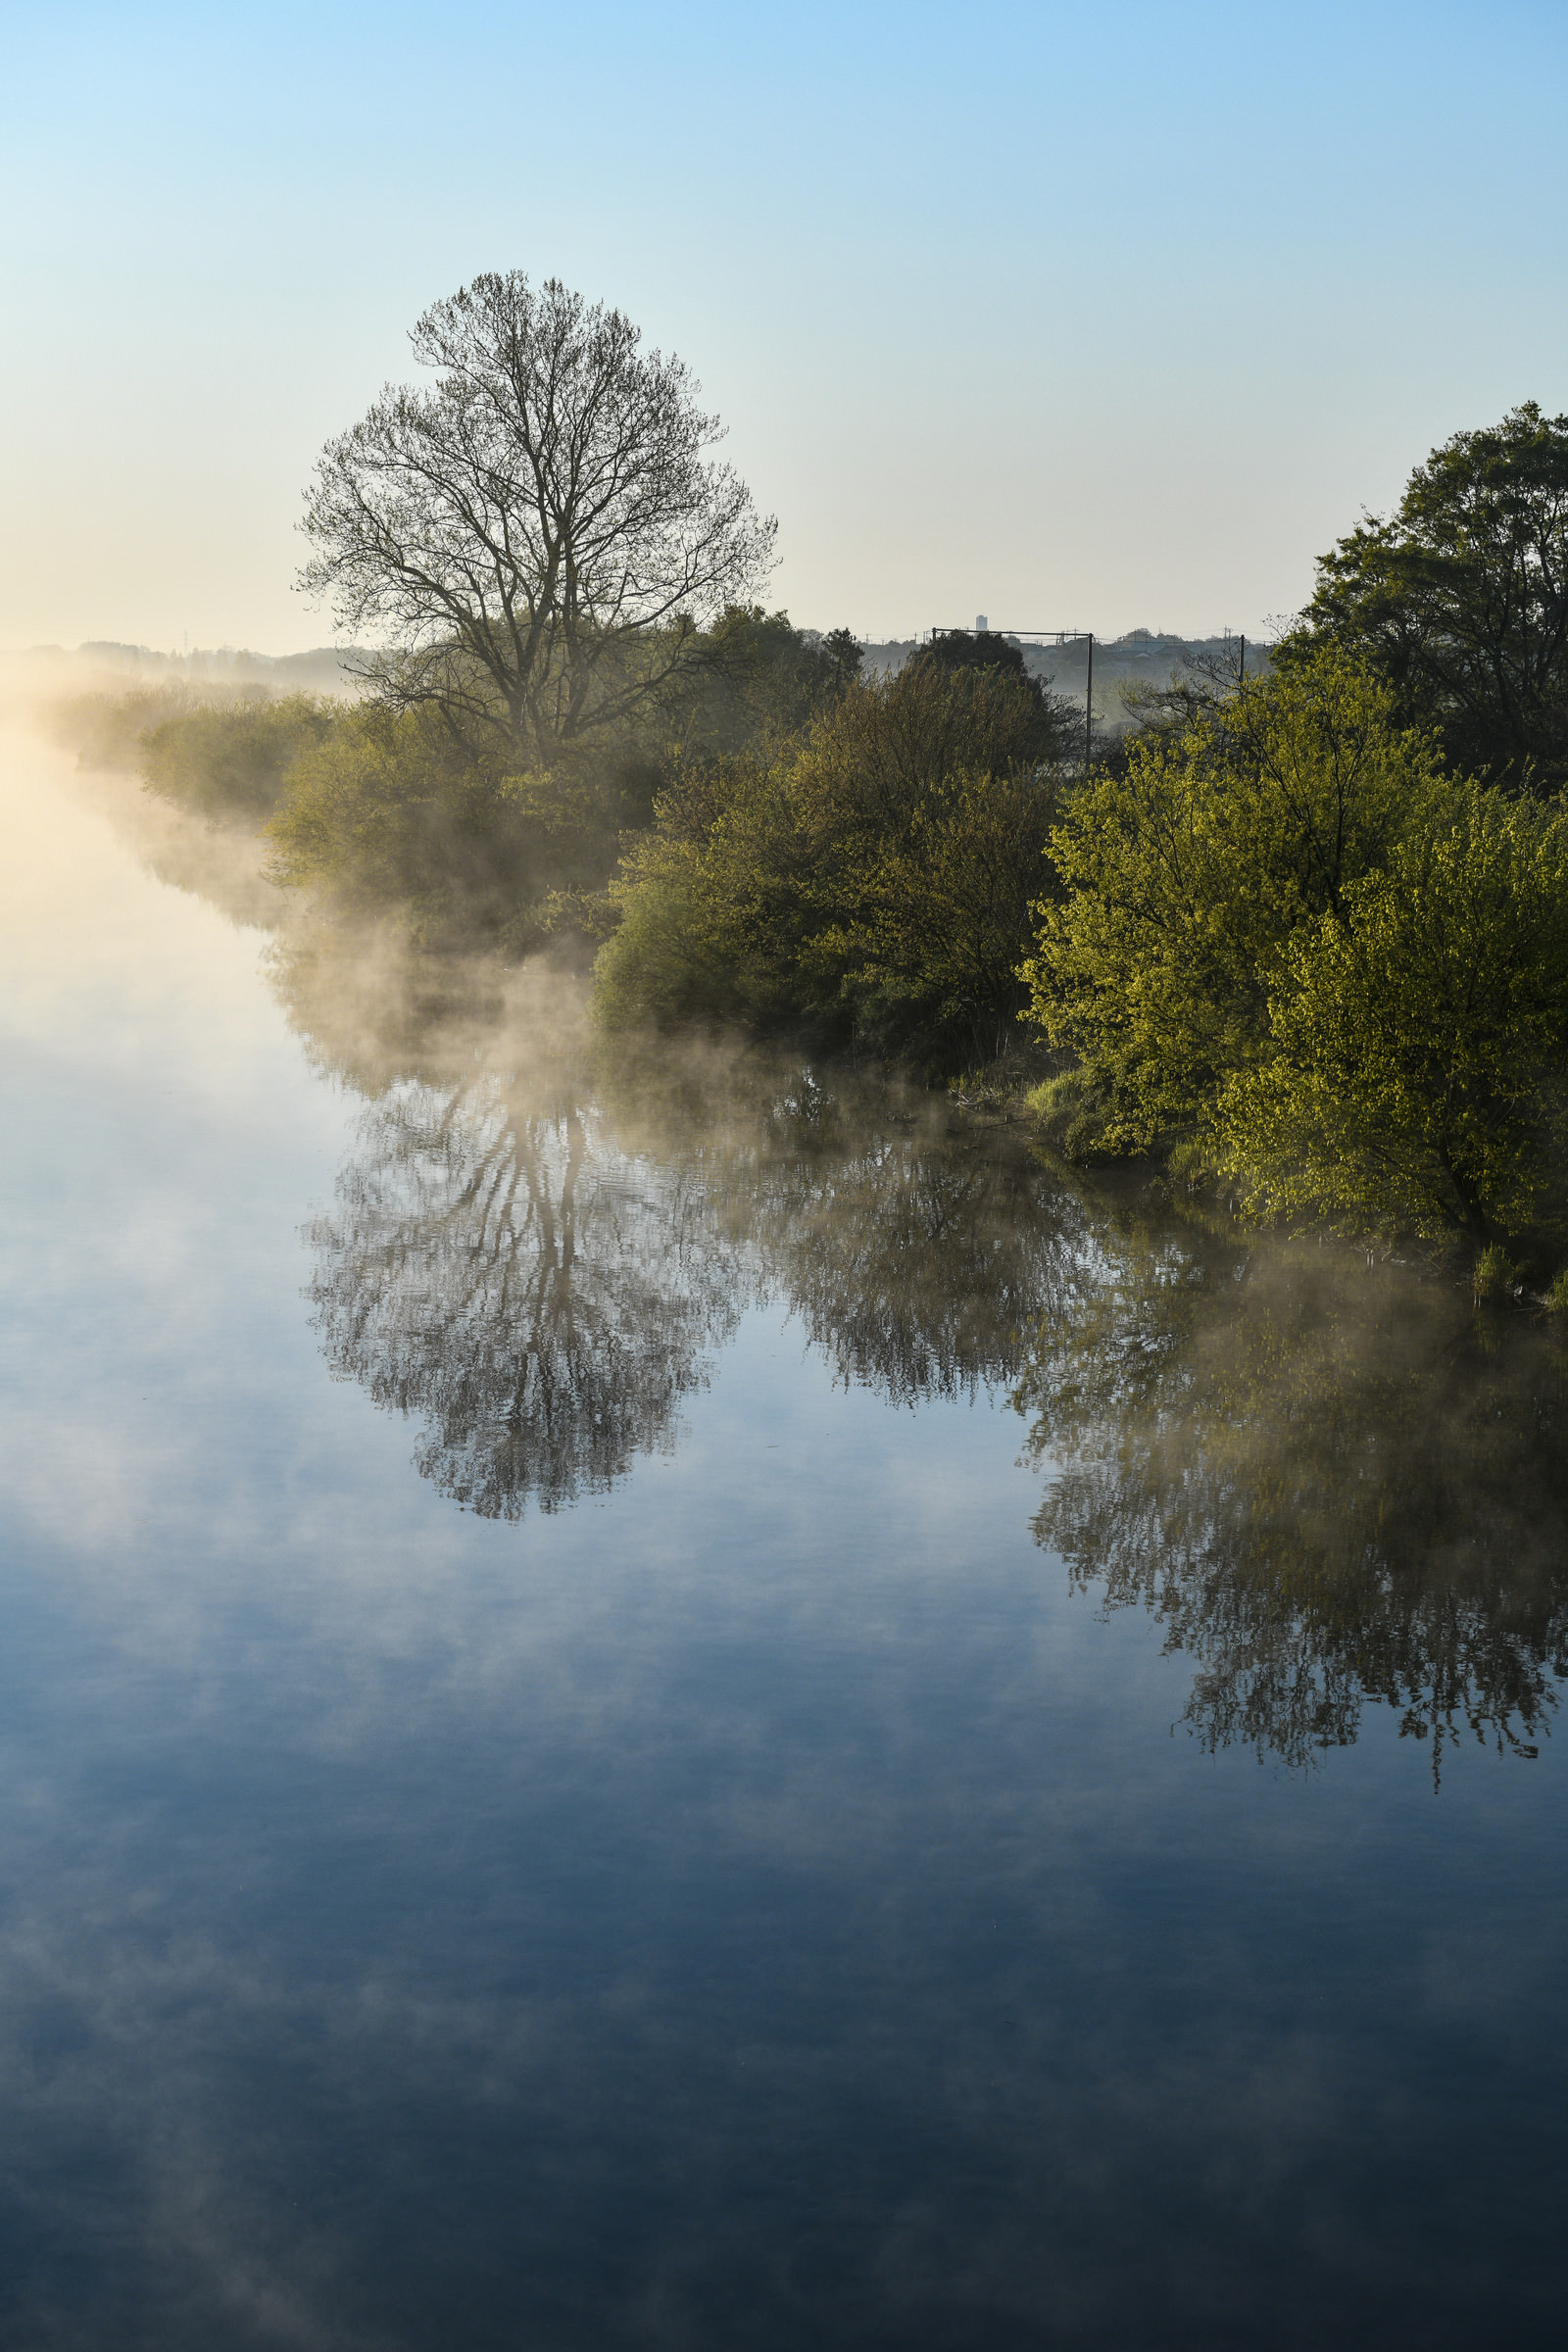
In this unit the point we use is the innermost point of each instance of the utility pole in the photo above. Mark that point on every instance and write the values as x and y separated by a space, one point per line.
1240 673
1089 705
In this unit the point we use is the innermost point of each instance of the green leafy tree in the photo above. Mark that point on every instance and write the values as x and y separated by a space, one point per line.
1058 724
1461 599
930 933
1186 876
871 883
758 676
1416 1049
713 905
389 812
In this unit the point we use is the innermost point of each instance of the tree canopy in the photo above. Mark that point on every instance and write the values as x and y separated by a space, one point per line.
1459 599
970 649
537 536
1415 1071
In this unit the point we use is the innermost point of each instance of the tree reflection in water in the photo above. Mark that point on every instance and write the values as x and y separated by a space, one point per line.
916 1255
1328 1483
539 1299
916 1262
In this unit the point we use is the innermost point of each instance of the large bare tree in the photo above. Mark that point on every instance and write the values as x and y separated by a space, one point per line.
532 541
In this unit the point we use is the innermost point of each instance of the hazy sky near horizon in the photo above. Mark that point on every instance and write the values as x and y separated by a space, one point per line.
1078 317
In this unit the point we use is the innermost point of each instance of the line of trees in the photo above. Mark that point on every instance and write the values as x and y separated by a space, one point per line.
1306 933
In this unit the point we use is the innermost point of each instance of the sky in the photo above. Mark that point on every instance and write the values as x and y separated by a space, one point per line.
1078 317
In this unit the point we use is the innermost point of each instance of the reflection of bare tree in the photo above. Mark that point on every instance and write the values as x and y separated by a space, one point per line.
1321 1482
539 1300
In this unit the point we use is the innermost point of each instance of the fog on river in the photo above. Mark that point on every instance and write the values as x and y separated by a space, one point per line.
659 1697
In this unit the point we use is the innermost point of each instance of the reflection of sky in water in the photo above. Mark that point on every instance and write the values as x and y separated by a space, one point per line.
762 1903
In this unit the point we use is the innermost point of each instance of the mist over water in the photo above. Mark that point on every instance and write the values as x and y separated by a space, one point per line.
658 1699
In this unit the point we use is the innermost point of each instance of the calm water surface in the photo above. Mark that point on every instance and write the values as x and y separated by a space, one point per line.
664 1706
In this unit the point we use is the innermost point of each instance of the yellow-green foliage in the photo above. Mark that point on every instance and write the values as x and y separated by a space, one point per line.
871 880
390 809
231 759
1298 954
1187 878
1495 1275
1416 1043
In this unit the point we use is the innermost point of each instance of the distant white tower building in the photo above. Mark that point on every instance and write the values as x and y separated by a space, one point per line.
980 622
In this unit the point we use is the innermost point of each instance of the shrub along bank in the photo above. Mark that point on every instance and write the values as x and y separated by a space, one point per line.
230 759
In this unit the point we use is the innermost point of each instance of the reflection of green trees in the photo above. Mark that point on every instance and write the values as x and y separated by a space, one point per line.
1323 1482
916 1255
916 1262
917 1270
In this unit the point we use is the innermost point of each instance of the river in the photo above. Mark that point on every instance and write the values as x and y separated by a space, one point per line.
660 1700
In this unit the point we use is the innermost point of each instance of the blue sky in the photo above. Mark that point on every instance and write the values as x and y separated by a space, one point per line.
1077 317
